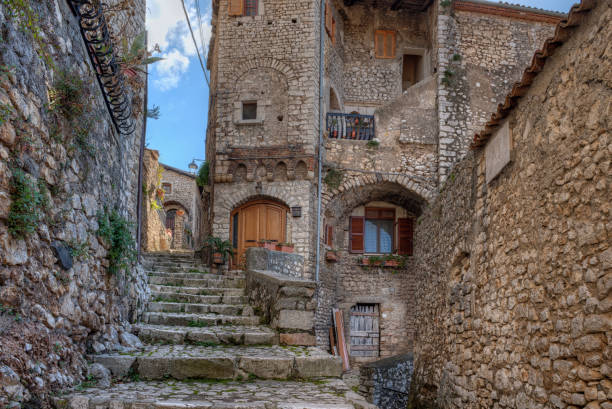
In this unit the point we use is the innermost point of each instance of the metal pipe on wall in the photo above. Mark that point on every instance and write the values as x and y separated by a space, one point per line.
319 157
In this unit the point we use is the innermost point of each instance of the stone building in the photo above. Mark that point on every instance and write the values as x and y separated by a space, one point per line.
405 84
183 207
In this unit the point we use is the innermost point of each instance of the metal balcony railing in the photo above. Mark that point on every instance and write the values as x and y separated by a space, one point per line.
350 126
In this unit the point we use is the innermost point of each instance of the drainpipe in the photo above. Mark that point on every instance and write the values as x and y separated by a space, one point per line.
319 158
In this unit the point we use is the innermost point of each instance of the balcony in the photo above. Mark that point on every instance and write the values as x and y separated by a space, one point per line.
350 126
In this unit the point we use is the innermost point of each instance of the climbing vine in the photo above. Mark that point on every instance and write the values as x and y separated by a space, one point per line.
116 232
29 200
334 178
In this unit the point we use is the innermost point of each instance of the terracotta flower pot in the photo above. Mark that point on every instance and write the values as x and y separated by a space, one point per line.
180 212
331 256
391 263
284 249
217 258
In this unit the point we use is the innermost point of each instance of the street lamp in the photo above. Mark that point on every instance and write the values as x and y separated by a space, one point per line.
193 166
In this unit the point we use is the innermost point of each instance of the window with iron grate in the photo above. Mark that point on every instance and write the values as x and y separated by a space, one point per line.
250 7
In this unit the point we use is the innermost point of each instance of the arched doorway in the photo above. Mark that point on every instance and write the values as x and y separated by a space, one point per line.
178 226
255 221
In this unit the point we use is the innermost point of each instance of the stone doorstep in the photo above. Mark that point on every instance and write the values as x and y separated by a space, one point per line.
186 362
198 282
238 335
202 299
223 309
184 319
197 290
258 394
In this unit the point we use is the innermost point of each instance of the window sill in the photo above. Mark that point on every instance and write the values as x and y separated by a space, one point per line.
247 122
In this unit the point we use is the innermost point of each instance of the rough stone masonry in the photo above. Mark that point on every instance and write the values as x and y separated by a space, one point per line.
62 163
514 301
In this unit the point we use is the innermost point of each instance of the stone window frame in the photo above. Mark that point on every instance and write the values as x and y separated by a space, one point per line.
167 187
261 109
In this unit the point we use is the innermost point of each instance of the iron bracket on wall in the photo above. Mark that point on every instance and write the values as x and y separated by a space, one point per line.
96 36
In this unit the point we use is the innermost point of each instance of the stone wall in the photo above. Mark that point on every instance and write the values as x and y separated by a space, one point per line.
286 304
480 56
513 296
286 264
58 299
154 237
386 383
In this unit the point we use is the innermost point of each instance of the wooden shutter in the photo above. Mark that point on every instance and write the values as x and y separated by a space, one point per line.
357 228
328 18
329 235
406 234
236 7
384 43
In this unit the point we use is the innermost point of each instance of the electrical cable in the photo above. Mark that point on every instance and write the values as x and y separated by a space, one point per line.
195 43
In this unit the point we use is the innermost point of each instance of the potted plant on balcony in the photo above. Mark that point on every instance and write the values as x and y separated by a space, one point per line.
372 261
331 255
285 247
266 244
221 249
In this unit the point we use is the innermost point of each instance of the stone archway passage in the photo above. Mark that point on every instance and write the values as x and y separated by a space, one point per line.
255 221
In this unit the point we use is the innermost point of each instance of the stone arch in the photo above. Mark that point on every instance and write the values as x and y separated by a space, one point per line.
280 172
301 170
240 173
174 205
248 65
178 223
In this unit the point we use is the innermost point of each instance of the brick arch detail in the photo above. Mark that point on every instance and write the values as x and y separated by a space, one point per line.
174 205
258 63
267 192
371 179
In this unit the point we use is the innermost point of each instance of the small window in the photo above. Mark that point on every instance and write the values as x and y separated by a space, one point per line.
167 188
249 111
242 7
379 227
384 43
250 7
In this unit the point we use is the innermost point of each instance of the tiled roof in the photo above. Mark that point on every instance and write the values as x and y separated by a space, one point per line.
514 11
177 170
562 33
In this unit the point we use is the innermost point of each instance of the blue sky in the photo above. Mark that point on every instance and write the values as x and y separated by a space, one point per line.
177 84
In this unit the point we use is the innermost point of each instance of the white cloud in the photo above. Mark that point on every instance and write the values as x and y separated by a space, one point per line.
167 27
170 70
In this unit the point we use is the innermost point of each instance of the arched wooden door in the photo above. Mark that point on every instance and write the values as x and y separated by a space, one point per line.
255 221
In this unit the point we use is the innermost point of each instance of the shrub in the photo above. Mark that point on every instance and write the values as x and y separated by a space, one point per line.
202 178
28 198
334 178
67 95
116 231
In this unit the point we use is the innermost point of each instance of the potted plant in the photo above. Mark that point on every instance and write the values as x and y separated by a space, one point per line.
180 212
221 249
285 247
159 192
331 255
267 244
372 261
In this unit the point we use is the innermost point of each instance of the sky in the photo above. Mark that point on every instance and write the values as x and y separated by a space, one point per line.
177 83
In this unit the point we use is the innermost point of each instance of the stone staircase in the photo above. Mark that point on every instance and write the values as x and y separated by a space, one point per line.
205 348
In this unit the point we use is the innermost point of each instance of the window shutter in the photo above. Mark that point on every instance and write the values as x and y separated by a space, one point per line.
236 7
329 235
328 18
406 234
356 234
379 43
385 43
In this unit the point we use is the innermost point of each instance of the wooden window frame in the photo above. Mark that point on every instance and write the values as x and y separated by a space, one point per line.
243 8
250 5
380 216
356 236
410 250
167 188
387 35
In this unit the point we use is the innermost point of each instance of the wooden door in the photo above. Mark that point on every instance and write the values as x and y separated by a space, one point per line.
365 333
260 220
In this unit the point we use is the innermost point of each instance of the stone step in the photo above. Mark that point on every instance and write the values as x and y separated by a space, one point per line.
197 290
223 362
203 394
177 297
197 282
197 320
180 268
223 309
233 335
180 274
